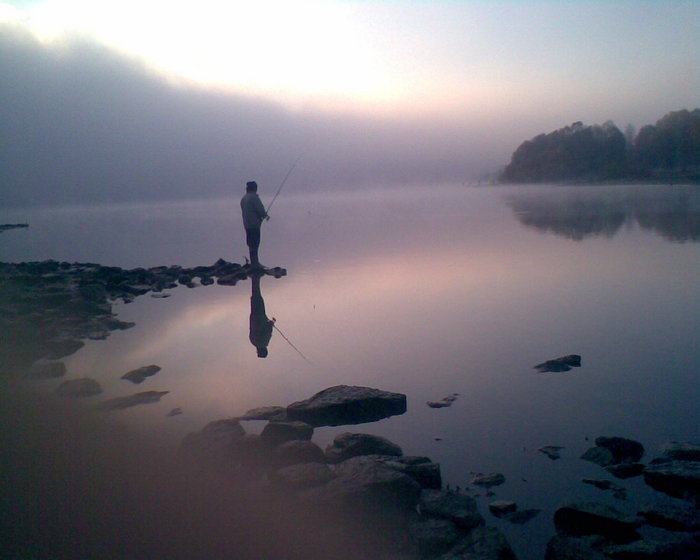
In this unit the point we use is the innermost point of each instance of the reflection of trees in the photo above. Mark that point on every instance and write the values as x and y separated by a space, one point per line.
671 212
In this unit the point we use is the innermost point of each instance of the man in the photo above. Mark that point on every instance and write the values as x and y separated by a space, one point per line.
253 215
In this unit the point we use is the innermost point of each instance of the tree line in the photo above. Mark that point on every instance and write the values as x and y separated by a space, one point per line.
666 151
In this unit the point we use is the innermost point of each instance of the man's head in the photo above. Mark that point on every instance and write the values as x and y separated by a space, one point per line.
251 186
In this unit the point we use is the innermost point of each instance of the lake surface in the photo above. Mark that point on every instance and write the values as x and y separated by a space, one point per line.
426 292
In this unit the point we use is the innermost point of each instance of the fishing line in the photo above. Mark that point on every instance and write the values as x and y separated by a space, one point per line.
291 344
283 182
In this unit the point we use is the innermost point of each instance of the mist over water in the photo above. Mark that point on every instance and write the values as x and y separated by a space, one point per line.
429 292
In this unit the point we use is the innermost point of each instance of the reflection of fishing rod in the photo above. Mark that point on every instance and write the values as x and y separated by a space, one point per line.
283 182
290 343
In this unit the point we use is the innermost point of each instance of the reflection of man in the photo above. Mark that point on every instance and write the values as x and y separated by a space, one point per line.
253 214
260 325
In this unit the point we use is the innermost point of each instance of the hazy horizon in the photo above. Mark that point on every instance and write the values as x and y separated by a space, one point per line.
102 103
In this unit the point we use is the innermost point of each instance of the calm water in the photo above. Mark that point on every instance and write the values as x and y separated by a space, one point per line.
425 292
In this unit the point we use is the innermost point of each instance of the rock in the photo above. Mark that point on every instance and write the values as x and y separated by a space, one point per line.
5 227
599 455
680 479
139 375
444 402
367 485
79 388
273 413
427 475
489 480
564 363
175 412
161 295
681 451
119 403
551 451
46 370
594 518
421 469
302 476
623 450
433 536
276 433
523 516
625 470
231 279
462 510
347 445
295 452
671 517
482 543
60 348
499 508
660 547
345 404
218 441
618 491
569 548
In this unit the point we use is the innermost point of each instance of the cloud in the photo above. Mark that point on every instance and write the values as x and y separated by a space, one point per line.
83 123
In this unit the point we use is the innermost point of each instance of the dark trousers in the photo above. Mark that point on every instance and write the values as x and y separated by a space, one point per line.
252 238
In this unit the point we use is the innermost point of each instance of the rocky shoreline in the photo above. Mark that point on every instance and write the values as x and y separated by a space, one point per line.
364 474
47 310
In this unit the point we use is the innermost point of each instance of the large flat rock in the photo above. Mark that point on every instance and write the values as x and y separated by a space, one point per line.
344 404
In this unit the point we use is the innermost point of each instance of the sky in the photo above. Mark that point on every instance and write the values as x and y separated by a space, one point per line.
369 91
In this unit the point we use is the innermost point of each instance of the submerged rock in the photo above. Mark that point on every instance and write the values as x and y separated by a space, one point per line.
343 404
489 480
120 403
444 402
551 451
564 363
79 388
139 375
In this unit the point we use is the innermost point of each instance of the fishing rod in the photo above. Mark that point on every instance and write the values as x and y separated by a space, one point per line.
290 343
283 182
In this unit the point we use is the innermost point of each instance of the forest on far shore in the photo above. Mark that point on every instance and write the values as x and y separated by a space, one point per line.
668 151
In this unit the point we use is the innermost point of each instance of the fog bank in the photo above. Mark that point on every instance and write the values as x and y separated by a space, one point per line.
84 124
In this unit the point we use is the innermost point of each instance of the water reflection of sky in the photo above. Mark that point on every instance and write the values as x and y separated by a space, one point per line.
425 293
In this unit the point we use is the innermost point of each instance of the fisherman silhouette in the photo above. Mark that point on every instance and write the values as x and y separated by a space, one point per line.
260 326
253 214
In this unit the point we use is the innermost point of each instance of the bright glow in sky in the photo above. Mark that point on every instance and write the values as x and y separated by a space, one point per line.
439 56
